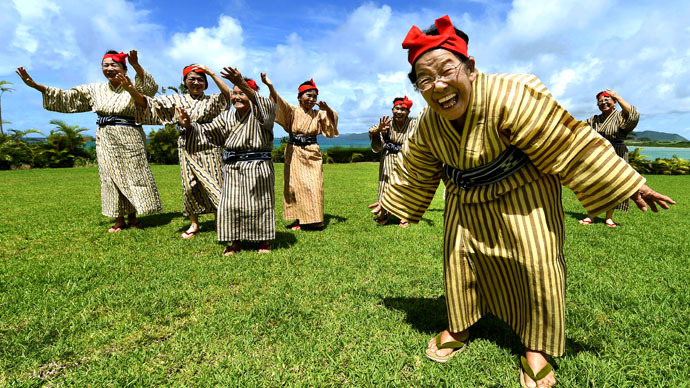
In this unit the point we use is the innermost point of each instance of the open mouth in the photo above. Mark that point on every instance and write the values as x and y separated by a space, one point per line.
448 101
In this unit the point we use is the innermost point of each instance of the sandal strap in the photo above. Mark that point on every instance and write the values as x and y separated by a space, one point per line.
529 372
449 344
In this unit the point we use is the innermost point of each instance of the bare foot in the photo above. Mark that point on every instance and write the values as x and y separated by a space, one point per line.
537 361
586 221
375 204
404 224
264 247
447 336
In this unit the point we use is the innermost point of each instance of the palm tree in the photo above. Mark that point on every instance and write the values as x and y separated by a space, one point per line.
64 144
3 89
14 150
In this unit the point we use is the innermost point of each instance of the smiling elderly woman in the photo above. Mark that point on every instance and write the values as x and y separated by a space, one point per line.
127 184
200 161
503 147
614 126
247 204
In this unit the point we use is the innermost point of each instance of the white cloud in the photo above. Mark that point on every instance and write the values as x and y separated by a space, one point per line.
215 47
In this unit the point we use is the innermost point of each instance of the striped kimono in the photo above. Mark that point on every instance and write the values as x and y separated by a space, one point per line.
396 135
127 184
503 242
303 171
200 162
614 129
247 202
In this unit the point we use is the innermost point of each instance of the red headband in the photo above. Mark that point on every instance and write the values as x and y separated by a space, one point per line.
121 57
418 43
603 94
304 88
189 68
405 102
252 84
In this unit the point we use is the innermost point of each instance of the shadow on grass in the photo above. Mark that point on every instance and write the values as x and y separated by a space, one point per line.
429 316
328 218
158 219
576 215
284 240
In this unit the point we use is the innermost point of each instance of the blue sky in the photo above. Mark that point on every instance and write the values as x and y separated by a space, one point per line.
352 49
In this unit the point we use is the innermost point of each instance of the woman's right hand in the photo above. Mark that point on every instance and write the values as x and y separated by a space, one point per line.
183 118
24 75
384 124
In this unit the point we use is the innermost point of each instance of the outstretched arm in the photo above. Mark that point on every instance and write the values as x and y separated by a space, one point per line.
24 75
645 196
128 85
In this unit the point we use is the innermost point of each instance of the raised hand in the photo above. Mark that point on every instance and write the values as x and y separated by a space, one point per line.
232 74
183 118
323 106
384 124
203 68
24 75
133 58
266 80
125 81
645 196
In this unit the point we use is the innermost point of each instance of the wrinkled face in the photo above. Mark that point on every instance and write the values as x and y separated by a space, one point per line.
239 100
308 99
111 69
195 83
449 95
400 113
606 104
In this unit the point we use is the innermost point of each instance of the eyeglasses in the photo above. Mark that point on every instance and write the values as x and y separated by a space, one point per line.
426 82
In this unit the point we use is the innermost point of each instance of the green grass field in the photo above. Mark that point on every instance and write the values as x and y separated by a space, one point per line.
353 305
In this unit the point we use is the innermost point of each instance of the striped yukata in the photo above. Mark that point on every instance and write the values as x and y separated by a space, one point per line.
247 202
503 242
303 170
396 135
127 184
200 162
614 129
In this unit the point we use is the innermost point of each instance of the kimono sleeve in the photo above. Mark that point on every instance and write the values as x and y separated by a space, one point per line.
75 100
558 144
265 109
146 85
214 132
376 139
284 114
328 128
629 122
414 180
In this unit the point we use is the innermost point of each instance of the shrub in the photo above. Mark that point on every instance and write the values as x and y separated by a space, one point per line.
14 151
162 145
63 147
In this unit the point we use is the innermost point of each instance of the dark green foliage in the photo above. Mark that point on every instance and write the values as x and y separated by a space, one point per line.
162 145
673 166
14 151
278 154
351 155
64 147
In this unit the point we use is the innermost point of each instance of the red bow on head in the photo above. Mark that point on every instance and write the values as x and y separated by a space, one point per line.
603 94
405 102
418 43
189 68
304 88
121 57
252 84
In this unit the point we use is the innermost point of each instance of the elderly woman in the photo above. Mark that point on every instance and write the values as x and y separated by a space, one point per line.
614 126
247 202
200 162
503 147
303 174
127 184
388 140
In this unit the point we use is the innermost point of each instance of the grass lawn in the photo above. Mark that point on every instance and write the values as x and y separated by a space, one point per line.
353 305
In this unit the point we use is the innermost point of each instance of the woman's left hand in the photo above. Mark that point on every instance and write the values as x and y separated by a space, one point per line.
613 94
203 68
323 106
645 196
133 58
231 74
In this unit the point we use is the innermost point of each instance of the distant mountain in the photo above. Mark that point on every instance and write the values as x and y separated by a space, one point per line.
658 136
